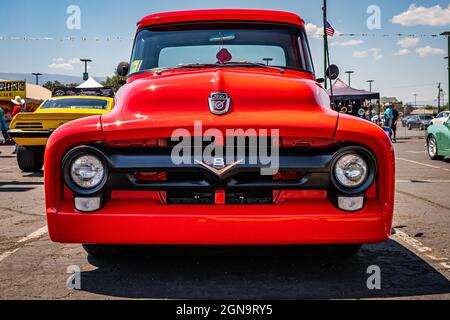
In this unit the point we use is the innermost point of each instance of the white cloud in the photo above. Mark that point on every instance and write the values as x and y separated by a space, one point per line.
314 31
61 66
360 54
428 51
402 52
422 16
375 52
408 42
75 61
347 43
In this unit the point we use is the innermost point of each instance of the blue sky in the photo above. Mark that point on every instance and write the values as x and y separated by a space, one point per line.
399 69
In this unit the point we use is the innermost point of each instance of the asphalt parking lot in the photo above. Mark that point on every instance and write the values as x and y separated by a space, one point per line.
414 264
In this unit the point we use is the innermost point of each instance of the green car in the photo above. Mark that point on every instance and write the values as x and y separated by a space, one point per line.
438 140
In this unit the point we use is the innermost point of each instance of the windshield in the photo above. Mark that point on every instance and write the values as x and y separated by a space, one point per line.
209 44
95 104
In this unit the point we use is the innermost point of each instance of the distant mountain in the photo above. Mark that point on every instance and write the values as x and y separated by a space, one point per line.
64 79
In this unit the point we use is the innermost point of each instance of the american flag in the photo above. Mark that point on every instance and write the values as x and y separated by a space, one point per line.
329 30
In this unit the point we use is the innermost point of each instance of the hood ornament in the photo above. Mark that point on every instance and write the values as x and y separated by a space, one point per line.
219 103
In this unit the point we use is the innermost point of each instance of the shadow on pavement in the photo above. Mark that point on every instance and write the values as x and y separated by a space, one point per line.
262 273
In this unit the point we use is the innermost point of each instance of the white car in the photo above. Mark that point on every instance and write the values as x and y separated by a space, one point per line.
441 118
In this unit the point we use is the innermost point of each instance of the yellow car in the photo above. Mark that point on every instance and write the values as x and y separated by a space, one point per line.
32 130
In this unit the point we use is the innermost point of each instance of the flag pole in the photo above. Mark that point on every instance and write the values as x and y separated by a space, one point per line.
325 42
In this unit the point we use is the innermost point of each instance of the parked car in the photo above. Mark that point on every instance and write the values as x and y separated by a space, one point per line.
421 122
198 82
438 140
405 120
31 131
441 118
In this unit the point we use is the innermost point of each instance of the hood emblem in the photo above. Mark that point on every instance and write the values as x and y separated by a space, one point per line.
219 103
219 168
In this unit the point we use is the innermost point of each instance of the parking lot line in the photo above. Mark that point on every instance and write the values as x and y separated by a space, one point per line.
33 236
420 248
423 164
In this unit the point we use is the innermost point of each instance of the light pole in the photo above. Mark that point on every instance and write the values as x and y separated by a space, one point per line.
370 84
267 60
85 74
36 74
349 77
447 34
415 100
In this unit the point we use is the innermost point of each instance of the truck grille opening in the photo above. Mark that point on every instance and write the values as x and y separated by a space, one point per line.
208 198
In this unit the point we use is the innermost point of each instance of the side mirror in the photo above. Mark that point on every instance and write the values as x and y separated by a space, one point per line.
333 72
320 80
123 69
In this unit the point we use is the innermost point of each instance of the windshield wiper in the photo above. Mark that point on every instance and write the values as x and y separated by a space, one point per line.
185 66
224 65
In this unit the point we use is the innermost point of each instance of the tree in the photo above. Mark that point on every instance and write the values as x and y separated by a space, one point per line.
115 81
51 85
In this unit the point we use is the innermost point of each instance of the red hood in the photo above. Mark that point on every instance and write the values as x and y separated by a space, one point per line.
153 106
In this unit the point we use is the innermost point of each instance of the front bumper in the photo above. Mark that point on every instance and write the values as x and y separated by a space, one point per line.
147 222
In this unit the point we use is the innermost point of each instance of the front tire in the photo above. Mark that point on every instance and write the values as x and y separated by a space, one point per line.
30 159
103 251
433 151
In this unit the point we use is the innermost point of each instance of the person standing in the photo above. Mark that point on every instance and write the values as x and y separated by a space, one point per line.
388 116
19 105
395 118
18 108
3 125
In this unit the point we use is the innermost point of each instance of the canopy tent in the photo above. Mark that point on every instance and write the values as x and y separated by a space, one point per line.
342 91
91 83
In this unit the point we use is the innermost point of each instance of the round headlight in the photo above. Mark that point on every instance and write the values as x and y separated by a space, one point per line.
87 171
351 170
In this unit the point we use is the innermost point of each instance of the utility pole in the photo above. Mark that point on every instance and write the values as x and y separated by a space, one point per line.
325 43
370 84
37 77
349 77
85 74
447 34
439 98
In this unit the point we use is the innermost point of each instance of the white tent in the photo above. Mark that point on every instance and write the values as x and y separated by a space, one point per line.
91 83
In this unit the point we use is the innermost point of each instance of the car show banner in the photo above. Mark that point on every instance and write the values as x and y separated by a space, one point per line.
11 89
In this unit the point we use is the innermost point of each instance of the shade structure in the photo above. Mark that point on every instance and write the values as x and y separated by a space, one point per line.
341 91
91 83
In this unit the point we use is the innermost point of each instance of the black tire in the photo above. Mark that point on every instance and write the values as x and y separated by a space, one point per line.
433 154
103 251
30 159
409 127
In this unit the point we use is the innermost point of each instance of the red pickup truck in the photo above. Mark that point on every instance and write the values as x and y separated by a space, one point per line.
222 135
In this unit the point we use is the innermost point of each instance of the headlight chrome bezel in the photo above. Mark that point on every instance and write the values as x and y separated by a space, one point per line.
372 168
68 161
